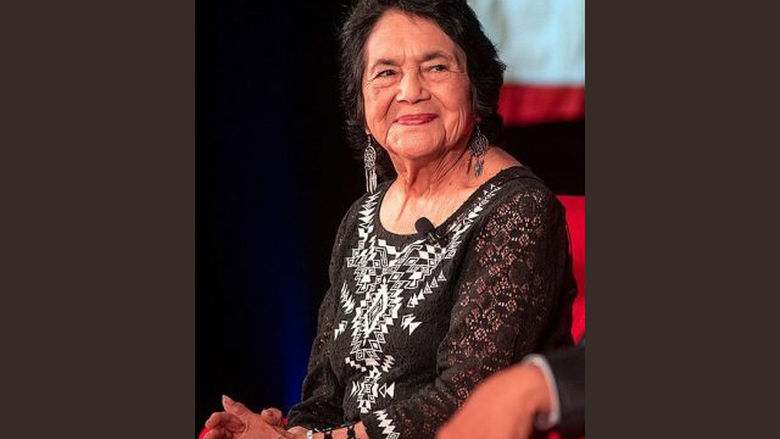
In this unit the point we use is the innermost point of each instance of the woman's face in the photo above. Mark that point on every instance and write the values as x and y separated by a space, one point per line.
416 91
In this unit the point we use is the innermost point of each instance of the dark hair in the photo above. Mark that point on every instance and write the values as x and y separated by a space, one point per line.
459 22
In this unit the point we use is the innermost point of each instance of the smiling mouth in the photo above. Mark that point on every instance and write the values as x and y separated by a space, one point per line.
416 119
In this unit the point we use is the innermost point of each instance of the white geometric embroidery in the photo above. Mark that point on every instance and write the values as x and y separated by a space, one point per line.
347 302
407 322
387 390
340 330
387 425
382 275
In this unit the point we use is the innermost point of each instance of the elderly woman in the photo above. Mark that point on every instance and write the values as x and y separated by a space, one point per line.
416 316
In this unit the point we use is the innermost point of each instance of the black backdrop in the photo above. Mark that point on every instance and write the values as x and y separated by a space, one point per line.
273 177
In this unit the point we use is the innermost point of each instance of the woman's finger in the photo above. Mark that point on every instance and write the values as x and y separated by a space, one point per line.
225 420
218 433
235 408
214 420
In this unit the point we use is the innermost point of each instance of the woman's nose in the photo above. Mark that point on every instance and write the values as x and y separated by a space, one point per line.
412 89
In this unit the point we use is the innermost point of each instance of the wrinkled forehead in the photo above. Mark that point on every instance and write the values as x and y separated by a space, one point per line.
403 37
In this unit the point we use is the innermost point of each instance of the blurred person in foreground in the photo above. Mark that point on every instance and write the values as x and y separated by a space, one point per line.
542 392
453 265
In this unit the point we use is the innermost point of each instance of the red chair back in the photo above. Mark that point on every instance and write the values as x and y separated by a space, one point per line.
575 218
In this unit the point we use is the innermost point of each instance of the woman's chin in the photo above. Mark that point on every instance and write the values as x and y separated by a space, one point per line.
418 152
412 146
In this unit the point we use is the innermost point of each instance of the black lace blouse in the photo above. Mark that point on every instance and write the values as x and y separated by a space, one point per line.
409 326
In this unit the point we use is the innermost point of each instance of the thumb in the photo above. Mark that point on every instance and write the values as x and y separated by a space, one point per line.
234 407
272 416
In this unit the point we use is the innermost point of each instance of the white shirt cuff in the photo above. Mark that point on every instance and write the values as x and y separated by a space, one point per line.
546 421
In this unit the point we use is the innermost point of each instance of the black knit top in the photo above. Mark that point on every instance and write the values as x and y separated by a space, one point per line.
409 326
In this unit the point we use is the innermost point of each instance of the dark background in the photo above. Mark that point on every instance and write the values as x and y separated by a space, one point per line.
274 175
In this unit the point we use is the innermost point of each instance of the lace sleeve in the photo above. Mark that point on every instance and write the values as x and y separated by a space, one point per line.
322 395
504 305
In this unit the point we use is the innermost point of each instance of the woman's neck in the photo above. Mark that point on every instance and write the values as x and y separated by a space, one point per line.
434 177
433 190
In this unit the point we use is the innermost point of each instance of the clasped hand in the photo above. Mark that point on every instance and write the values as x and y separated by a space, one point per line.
238 422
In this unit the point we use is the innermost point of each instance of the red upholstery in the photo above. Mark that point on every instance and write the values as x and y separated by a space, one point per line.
575 218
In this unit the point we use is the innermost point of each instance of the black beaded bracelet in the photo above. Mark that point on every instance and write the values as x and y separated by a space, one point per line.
351 431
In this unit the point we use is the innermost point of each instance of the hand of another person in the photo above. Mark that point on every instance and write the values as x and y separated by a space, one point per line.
502 407
238 422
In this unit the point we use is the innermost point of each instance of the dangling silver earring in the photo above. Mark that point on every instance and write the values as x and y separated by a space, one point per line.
478 146
369 163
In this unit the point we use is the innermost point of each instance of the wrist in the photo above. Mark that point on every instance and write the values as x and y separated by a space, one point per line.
345 431
542 392
539 392
298 432
530 388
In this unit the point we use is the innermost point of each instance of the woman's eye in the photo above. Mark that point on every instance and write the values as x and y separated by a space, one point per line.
438 68
385 74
